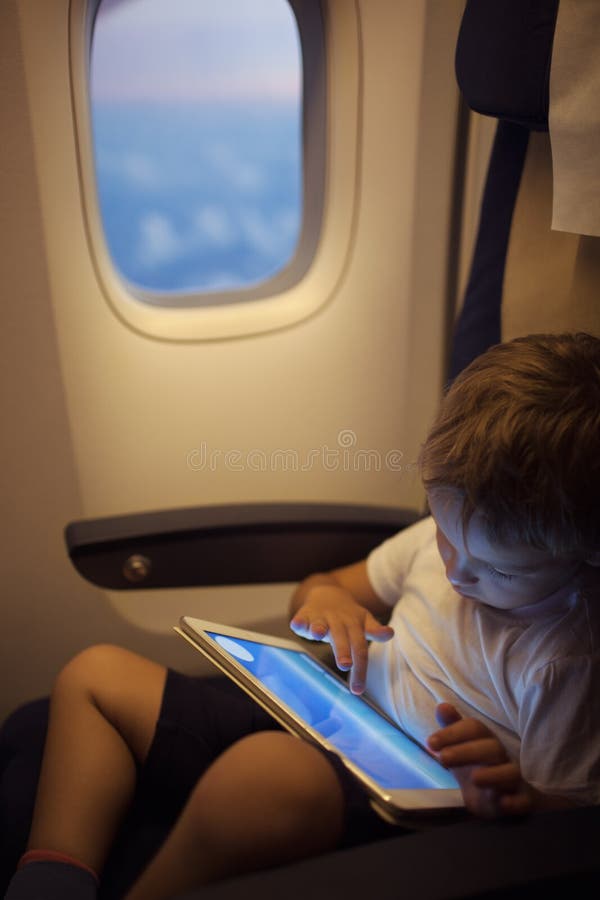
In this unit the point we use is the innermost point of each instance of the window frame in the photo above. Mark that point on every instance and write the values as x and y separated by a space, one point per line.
287 297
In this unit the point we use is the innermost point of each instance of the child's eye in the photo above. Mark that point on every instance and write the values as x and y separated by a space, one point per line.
498 574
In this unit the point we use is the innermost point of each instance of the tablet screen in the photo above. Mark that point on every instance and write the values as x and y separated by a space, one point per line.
349 724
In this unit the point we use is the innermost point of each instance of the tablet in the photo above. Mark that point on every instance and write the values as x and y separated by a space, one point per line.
309 700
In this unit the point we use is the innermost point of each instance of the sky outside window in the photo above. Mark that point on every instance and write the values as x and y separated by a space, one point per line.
196 114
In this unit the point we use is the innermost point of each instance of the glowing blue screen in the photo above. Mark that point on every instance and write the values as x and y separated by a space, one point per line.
345 720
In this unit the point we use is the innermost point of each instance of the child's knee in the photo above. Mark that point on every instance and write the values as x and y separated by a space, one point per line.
86 670
278 779
123 687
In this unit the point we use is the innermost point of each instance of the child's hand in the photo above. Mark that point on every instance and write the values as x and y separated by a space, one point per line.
490 783
330 613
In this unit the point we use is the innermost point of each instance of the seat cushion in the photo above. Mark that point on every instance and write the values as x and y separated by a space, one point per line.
21 747
22 738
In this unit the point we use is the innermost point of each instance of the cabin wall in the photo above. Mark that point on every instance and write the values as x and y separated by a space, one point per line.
99 419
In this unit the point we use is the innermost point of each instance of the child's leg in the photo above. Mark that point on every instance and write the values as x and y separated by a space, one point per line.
103 712
269 799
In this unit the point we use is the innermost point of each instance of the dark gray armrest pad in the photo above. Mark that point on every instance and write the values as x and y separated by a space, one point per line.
230 544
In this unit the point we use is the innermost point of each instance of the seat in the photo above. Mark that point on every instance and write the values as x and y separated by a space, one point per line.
283 542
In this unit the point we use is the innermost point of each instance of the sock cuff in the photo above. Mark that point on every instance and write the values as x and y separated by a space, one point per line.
33 856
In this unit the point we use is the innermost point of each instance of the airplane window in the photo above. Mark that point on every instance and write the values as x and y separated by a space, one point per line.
196 113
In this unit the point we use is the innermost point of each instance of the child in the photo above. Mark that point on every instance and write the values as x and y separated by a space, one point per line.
494 630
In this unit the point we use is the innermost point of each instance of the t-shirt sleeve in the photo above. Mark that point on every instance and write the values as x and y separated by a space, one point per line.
388 564
559 723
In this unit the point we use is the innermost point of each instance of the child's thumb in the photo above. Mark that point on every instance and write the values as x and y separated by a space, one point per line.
376 631
446 714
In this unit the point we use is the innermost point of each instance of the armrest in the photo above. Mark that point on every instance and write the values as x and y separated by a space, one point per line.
227 545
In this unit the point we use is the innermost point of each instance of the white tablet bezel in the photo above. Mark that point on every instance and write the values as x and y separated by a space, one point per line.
392 804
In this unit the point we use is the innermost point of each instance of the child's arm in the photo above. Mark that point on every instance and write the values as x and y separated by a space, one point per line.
341 607
491 784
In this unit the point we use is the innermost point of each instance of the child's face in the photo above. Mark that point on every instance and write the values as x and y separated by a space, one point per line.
506 577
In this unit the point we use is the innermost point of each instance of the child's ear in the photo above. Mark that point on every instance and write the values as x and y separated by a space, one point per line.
594 559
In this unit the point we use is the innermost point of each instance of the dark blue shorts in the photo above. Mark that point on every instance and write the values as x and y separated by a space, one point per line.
202 717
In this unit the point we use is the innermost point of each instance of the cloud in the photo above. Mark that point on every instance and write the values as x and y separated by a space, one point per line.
159 243
245 176
213 225
271 237
216 281
271 240
137 169
258 233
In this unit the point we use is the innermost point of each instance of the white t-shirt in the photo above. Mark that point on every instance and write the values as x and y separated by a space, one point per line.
531 675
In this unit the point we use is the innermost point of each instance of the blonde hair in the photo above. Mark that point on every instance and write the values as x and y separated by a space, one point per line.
518 435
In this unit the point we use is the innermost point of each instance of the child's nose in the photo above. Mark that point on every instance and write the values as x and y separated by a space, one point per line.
458 570
457 567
